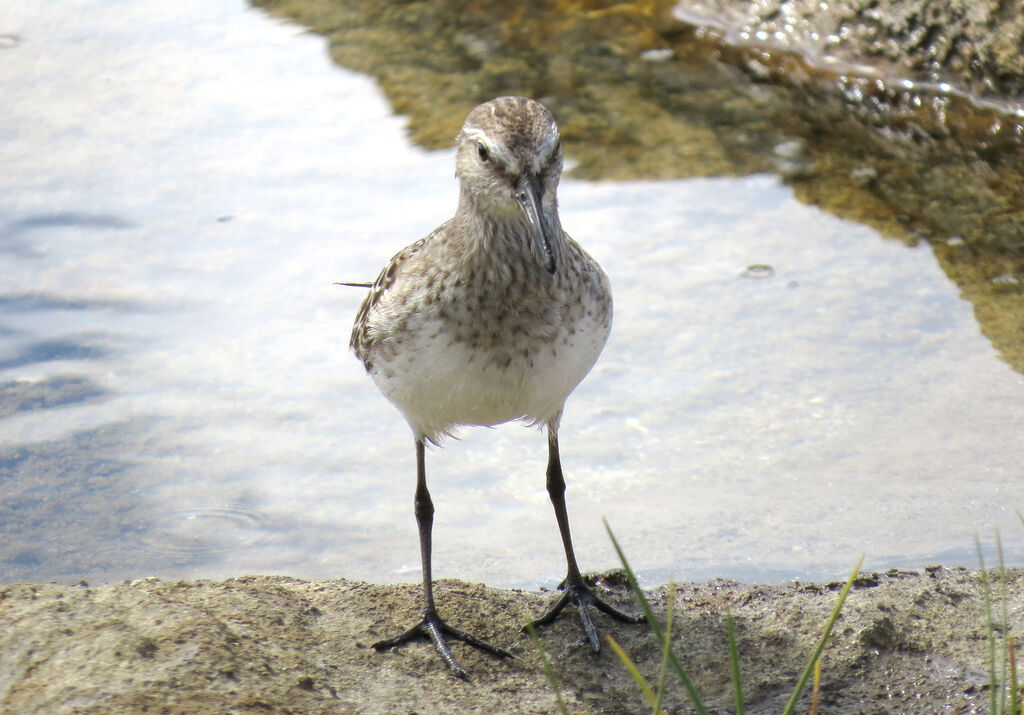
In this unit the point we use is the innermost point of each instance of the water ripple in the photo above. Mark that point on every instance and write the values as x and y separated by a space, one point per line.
205 530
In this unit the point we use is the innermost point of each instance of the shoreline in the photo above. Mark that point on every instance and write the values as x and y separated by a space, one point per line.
905 639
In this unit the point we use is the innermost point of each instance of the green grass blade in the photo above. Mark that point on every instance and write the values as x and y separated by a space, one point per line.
987 593
549 671
691 691
816 688
734 663
1014 687
663 672
1015 703
631 667
1005 622
823 641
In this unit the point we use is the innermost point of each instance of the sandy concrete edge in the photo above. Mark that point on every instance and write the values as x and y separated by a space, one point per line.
906 642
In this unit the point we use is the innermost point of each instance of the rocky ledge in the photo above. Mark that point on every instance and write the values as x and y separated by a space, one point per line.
905 642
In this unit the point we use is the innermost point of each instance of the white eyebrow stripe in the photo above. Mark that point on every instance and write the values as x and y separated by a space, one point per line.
499 152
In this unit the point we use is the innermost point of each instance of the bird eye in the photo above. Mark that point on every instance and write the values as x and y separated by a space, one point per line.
482 151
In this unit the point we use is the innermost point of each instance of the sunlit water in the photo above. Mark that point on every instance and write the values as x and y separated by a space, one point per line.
183 181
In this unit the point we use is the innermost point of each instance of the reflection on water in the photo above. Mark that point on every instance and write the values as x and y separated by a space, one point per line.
59 390
782 389
641 93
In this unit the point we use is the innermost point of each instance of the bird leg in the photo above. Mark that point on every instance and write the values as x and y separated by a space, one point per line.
575 590
430 625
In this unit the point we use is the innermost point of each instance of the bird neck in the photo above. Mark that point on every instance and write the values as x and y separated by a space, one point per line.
502 235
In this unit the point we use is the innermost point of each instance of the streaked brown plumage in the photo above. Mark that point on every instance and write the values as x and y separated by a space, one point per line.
495 316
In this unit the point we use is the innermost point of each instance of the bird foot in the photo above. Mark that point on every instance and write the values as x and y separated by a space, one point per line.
434 629
577 592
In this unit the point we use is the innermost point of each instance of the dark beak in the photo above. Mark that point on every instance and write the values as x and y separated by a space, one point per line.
528 193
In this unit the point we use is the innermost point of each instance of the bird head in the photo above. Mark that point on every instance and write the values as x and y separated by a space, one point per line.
508 163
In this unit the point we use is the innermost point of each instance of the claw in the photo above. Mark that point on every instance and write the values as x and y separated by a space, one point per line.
577 592
434 629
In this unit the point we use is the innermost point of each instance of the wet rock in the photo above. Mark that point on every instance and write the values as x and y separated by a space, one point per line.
881 634
971 44
863 175
658 55
1006 281
793 149
758 270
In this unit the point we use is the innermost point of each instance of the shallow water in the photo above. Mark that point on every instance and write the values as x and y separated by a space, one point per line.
184 181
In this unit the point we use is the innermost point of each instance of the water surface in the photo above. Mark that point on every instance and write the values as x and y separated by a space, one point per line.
184 181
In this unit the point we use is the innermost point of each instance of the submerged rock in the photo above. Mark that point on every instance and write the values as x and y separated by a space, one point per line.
974 45
906 112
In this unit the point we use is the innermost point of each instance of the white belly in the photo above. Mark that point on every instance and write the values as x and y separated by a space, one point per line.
439 384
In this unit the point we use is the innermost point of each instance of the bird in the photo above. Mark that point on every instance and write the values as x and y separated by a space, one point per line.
495 316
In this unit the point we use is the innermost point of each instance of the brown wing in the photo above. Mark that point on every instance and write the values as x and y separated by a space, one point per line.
360 339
